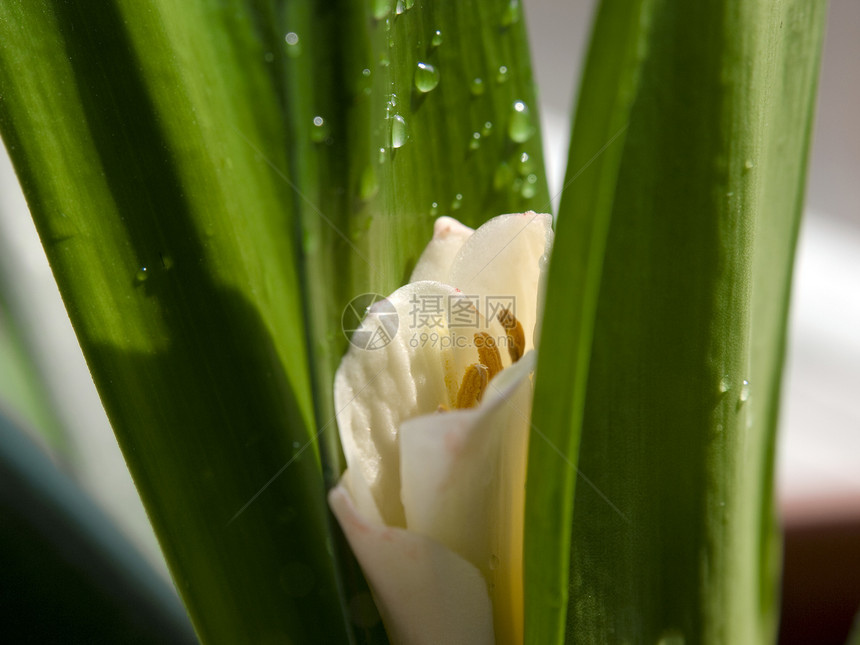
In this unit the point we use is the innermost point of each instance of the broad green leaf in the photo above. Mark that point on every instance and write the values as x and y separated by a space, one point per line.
693 228
135 130
609 82
68 573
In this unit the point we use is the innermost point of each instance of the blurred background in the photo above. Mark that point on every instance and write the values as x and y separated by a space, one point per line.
819 446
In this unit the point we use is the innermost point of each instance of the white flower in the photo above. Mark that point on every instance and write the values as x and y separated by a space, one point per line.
434 427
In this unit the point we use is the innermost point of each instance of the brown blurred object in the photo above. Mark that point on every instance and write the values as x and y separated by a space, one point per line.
821 574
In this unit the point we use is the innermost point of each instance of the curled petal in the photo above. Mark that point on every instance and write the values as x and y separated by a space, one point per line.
375 390
426 594
463 484
506 257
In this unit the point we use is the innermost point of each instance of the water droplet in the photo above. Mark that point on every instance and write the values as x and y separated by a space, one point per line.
475 141
392 100
320 131
529 189
526 164
458 202
477 86
382 155
426 77
725 384
494 561
368 185
141 275
384 62
511 14
437 38
294 47
745 391
381 8
503 177
488 127
434 209
269 57
365 72
399 131
502 75
520 127
400 7
748 164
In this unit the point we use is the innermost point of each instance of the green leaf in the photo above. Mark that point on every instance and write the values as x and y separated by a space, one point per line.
685 231
171 245
68 573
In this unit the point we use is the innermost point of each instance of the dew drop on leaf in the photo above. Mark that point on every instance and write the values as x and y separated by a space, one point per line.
294 47
399 131
520 126
320 130
426 77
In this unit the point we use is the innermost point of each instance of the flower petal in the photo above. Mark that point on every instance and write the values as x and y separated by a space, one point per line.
449 235
506 257
463 484
375 390
425 593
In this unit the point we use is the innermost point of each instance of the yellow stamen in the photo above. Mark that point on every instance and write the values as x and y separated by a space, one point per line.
488 353
516 335
472 388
